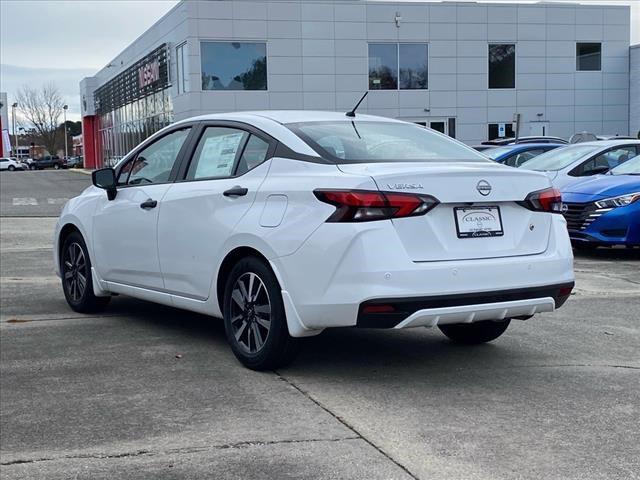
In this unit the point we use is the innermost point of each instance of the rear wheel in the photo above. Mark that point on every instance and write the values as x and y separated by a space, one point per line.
77 281
11 168
254 318
474 333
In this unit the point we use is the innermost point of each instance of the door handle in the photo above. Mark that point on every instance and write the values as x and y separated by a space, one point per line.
149 204
236 191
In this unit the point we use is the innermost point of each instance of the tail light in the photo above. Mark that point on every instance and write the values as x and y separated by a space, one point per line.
366 205
547 200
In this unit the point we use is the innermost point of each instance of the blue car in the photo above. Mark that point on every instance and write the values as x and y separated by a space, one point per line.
515 155
604 210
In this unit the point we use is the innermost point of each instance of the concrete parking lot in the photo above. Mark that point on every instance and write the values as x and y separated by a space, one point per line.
144 391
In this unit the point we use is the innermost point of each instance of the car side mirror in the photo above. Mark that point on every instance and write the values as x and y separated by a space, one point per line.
105 178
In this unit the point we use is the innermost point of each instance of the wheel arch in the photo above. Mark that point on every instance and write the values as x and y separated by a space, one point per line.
66 230
227 264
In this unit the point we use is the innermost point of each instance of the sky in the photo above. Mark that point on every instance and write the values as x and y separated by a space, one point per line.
65 40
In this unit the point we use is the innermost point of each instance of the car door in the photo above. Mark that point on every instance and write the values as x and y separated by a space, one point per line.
199 213
4 163
125 228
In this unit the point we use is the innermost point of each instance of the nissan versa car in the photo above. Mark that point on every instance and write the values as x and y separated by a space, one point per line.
604 210
288 223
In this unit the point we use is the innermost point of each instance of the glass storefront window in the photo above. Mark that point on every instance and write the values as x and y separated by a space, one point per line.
124 128
233 65
383 66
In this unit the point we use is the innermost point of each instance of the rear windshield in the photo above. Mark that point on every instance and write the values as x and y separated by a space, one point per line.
362 141
559 158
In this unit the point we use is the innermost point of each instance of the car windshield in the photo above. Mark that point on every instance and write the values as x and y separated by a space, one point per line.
498 151
366 141
559 158
630 167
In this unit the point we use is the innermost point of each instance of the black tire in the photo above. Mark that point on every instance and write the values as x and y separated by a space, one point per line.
32 167
584 247
11 168
262 304
475 333
73 269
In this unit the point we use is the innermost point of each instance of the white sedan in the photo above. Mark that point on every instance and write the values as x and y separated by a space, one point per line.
566 165
287 223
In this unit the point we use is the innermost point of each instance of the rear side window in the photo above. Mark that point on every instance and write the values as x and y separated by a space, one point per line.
366 141
255 152
216 153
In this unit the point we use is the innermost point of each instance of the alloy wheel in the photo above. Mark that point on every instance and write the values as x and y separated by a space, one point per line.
75 271
250 312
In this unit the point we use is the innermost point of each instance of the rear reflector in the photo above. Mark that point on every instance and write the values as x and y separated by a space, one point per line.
378 309
366 205
547 200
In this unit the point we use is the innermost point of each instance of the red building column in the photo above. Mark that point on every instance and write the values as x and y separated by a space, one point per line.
91 141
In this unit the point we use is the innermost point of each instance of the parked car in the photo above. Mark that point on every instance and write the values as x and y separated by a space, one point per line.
287 223
528 139
516 155
10 164
585 159
74 162
605 209
47 161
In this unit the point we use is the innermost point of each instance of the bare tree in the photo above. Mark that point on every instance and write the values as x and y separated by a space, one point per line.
41 109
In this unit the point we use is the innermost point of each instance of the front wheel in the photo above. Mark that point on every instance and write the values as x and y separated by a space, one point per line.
77 281
11 168
254 319
475 333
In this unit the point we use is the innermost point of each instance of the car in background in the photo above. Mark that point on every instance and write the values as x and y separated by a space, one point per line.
74 162
516 155
604 210
47 161
482 148
10 164
586 159
529 139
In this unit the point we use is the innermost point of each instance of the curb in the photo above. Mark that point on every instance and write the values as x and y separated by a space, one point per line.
83 171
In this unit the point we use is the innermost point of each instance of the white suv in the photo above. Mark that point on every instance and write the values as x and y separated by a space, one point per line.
10 164
287 223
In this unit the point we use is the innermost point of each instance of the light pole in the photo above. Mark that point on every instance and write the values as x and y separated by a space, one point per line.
15 134
66 153
18 145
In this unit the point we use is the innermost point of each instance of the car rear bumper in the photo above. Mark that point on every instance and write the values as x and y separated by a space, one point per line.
337 270
461 308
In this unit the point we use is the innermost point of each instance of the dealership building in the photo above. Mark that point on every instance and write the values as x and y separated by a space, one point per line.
463 68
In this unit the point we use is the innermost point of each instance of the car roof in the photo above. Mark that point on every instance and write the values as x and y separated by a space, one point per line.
292 116
608 143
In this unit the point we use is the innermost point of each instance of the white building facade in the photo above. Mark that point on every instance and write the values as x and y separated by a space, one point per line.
462 68
634 90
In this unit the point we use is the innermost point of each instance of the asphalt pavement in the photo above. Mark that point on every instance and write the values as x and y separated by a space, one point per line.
145 391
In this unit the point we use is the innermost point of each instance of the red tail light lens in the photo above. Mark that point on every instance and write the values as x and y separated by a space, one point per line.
547 200
366 206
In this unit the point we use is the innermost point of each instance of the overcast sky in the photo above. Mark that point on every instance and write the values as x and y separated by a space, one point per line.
64 41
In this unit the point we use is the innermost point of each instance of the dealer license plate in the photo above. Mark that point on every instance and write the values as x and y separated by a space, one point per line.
473 222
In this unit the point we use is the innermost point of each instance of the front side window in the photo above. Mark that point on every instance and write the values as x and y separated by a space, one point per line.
356 142
155 162
502 66
605 161
403 66
233 65
588 57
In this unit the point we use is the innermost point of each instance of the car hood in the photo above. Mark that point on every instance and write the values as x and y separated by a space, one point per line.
604 186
